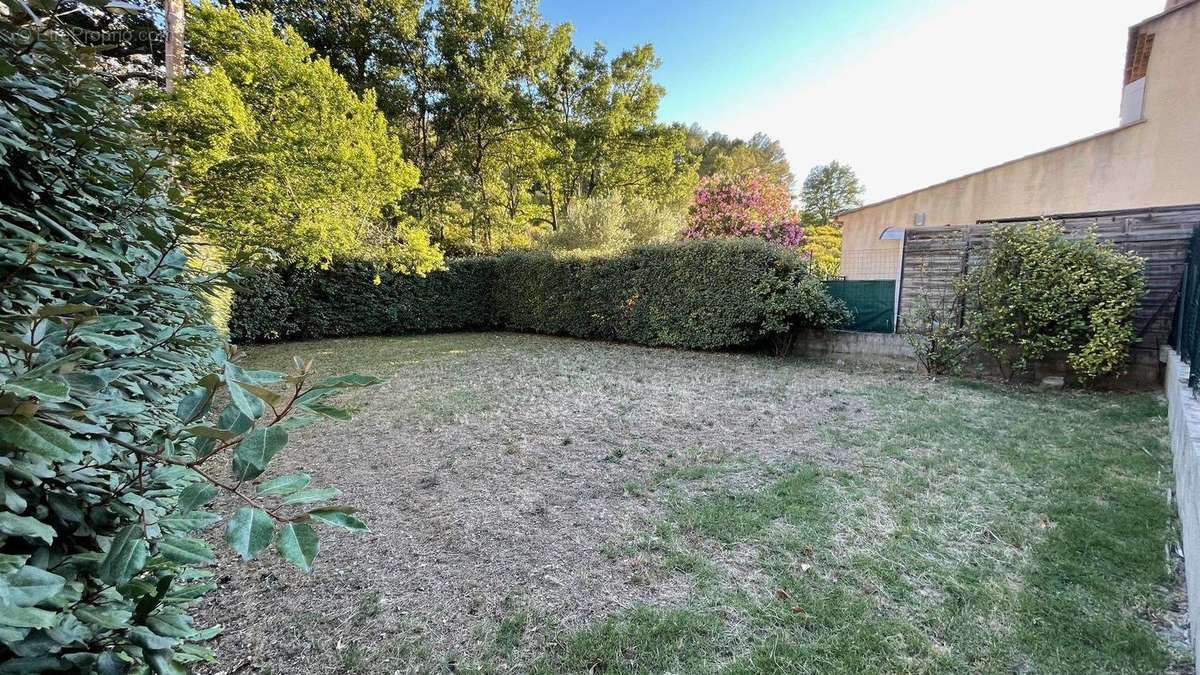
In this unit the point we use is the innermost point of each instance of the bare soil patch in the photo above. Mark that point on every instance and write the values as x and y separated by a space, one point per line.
494 470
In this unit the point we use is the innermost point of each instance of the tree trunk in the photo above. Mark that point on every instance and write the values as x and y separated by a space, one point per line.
174 47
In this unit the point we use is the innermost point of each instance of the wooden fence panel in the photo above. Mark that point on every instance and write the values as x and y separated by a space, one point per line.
935 258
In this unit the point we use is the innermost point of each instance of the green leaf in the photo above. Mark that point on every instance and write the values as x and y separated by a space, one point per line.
250 405
126 556
110 619
314 395
195 495
347 381
194 653
297 543
174 625
249 531
192 520
148 639
205 431
184 550
268 396
27 617
11 563
24 526
69 630
13 500
27 665
314 495
28 586
42 388
10 635
150 598
63 310
338 518
327 411
293 422
260 376
194 405
254 452
284 485
162 662
33 436
231 419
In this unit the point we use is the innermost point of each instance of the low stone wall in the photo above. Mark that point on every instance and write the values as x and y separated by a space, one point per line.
1144 370
1184 419
874 347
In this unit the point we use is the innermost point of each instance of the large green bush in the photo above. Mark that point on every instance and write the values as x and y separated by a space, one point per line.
708 294
349 298
1041 294
108 373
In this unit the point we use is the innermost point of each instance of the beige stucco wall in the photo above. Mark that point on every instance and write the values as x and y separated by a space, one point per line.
1155 162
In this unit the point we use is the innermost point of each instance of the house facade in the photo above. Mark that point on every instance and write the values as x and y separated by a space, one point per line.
1151 159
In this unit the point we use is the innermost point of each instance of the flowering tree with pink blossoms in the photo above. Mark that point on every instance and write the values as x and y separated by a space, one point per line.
750 204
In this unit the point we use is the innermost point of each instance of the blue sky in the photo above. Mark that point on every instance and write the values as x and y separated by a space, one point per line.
714 52
909 92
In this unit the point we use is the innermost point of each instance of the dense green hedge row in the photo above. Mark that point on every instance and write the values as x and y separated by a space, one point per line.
303 304
699 294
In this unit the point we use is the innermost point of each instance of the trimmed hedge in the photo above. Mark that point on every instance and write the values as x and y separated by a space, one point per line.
307 304
701 294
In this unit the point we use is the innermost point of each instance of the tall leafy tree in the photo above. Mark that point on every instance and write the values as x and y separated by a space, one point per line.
598 118
368 42
719 153
828 190
508 121
279 156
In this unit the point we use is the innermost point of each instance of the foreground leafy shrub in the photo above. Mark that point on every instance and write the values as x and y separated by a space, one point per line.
1042 294
108 373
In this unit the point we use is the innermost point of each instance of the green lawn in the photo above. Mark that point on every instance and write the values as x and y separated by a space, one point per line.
594 508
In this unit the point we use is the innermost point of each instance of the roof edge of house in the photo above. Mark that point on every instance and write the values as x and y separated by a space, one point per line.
993 167
1161 14
1132 30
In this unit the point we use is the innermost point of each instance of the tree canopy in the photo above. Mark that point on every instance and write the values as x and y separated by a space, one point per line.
828 190
279 156
719 153
509 124
507 119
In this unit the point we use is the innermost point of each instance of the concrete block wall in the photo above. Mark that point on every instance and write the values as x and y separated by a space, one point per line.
871 347
1184 419
1143 371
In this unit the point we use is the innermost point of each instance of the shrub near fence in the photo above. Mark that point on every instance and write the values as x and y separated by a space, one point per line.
699 294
